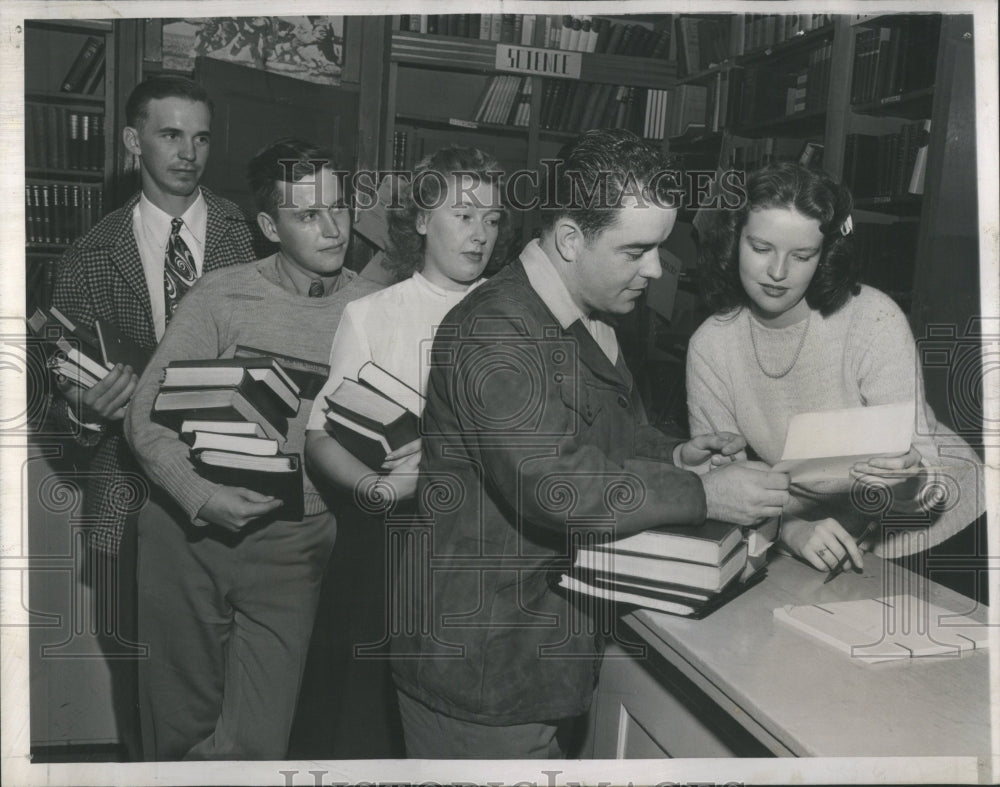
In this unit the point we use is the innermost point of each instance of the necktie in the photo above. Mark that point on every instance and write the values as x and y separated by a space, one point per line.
179 272
316 289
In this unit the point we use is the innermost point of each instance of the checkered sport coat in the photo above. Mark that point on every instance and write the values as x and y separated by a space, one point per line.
101 276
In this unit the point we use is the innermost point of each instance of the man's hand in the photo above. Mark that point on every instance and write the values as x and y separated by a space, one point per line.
707 451
234 507
105 401
745 493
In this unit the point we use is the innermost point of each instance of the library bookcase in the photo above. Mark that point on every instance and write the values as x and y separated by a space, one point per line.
77 74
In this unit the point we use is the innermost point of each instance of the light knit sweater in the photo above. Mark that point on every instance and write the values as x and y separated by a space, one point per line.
244 305
862 355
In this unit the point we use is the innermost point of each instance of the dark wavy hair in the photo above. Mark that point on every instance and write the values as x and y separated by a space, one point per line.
425 190
168 86
286 160
594 171
782 185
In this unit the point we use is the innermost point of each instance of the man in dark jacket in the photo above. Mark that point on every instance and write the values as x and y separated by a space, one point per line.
533 439
130 271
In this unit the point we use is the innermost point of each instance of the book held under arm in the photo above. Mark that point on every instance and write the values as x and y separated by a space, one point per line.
369 423
172 407
261 379
278 476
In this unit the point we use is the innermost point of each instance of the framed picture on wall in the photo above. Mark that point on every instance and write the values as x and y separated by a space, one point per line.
304 47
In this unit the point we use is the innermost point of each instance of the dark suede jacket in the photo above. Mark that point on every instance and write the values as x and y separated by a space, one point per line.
533 441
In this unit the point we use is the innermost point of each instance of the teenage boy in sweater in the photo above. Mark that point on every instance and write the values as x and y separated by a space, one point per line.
227 593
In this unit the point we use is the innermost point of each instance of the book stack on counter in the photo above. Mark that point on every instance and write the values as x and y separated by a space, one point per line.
234 414
82 355
687 571
374 415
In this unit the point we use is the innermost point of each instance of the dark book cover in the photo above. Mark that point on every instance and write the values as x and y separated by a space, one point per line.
309 376
613 38
116 347
286 485
77 74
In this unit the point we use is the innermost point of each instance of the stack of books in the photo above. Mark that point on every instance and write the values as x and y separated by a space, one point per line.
374 414
81 355
685 571
234 414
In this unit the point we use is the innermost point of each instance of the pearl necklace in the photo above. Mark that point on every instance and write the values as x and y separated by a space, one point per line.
798 350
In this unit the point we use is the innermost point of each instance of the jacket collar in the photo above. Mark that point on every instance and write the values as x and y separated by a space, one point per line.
589 351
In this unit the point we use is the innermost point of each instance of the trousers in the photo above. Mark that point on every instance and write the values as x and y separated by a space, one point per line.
433 735
227 618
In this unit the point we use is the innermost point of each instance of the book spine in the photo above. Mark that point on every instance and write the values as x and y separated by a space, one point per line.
75 77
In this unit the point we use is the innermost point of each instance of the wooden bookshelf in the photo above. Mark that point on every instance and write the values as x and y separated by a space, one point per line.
435 83
72 138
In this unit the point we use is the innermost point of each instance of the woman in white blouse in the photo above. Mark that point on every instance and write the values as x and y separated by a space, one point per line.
450 224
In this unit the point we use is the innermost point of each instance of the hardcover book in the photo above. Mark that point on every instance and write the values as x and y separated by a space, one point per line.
710 543
172 407
678 572
278 476
261 379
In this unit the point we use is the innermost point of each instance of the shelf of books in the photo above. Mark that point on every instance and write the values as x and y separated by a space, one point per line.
65 142
520 85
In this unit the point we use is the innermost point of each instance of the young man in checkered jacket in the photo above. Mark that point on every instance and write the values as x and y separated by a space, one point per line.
129 271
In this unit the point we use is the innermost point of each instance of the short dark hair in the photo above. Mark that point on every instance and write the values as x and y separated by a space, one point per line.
285 160
812 193
594 171
137 106
406 246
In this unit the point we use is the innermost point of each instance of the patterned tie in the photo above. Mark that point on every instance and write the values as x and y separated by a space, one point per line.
316 289
179 272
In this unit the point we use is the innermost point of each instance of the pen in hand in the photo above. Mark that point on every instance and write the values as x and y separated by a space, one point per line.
838 569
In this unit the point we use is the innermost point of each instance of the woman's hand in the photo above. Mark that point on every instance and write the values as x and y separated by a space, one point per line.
889 469
396 458
399 484
820 543
706 451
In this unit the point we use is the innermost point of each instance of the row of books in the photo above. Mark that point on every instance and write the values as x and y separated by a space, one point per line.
61 212
86 72
888 165
576 106
60 138
686 571
234 414
506 100
897 59
759 31
551 31
706 41
764 94
504 28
